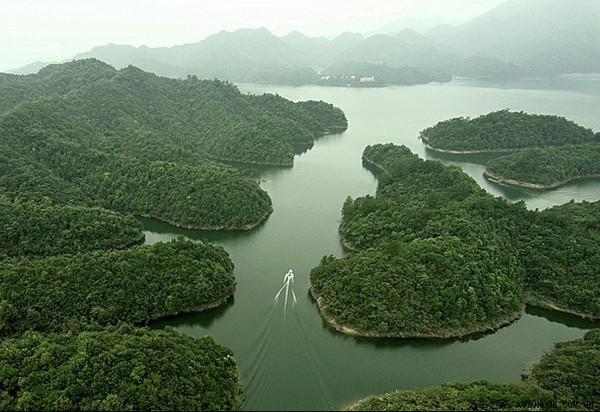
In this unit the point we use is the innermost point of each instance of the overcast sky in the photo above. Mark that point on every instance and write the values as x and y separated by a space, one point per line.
55 30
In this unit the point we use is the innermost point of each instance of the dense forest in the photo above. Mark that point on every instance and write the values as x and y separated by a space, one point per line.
560 253
548 167
549 150
117 368
564 379
137 143
136 285
504 130
34 230
434 255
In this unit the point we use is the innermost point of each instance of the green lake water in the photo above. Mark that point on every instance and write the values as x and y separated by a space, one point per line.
287 357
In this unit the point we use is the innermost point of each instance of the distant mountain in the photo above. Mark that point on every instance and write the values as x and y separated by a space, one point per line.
346 40
539 36
313 51
519 37
395 50
30 68
247 55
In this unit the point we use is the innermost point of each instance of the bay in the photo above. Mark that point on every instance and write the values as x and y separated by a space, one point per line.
288 358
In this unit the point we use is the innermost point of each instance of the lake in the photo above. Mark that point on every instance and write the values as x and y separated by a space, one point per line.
287 357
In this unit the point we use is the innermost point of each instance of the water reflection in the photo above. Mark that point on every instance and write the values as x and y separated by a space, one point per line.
158 231
202 319
566 319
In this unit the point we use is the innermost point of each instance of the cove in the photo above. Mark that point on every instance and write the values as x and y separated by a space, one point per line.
294 361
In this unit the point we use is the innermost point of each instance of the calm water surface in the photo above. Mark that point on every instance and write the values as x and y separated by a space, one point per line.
288 358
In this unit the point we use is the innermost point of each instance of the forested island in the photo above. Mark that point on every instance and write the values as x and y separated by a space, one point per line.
435 255
564 379
504 131
138 143
549 151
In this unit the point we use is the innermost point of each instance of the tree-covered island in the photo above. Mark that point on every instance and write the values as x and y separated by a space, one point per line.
435 255
564 379
547 151
504 131
84 133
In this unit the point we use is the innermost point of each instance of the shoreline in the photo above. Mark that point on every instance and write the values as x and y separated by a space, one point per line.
373 163
245 162
333 324
201 308
549 304
248 226
499 179
481 151
334 130
428 146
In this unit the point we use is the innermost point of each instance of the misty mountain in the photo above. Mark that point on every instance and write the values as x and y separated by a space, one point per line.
30 68
539 36
391 49
312 51
519 37
346 40
247 55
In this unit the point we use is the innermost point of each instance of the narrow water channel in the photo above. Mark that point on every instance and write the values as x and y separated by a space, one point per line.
288 358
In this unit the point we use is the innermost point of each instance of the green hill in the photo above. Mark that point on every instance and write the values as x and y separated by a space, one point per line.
117 368
138 143
434 255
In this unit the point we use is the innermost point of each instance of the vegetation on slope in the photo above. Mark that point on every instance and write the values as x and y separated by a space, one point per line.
117 368
504 130
561 256
570 370
135 142
34 230
52 80
472 396
62 293
546 168
434 255
424 266
550 150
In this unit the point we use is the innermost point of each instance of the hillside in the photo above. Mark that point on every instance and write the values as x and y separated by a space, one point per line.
245 56
433 255
257 56
137 143
505 131
117 368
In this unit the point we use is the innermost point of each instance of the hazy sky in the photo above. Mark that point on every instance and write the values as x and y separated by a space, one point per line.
54 30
